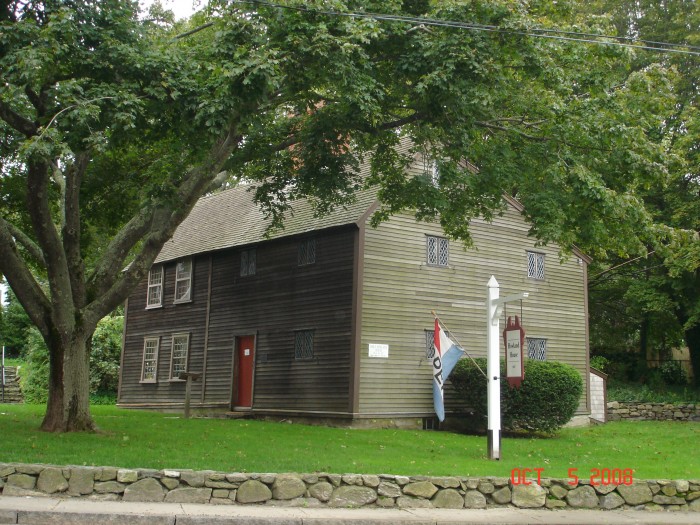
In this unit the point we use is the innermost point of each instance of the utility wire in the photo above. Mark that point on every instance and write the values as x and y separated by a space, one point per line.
552 34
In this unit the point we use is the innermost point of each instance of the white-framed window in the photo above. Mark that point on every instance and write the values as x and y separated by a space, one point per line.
536 348
303 344
154 296
183 281
307 252
432 171
149 368
535 265
248 262
437 251
179 354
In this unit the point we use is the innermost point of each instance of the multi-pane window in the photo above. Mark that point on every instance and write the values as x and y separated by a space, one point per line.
183 280
535 265
178 357
149 368
248 258
430 167
429 344
304 344
307 252
155 287
438 251
536 349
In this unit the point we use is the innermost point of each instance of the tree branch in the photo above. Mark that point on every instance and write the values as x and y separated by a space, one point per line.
71 228
27 290
111 284
22 124
25 241
50 243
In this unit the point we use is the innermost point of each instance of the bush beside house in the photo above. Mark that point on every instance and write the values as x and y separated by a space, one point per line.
546 400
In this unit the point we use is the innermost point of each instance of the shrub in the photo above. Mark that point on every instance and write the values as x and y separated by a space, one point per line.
599 362
673 373
34 379
104 364
546 400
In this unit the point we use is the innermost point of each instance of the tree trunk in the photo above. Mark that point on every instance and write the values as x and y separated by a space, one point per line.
692 339
68 406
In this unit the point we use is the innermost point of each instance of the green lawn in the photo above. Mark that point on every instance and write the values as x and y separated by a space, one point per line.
153 440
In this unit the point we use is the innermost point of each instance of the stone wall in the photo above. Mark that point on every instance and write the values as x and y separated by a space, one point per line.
333 490
637 411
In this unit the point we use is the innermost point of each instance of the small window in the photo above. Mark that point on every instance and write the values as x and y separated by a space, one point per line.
304 344
536 349
432 171
307 252
248 262
178 357
429 344
535 265
183 281
438 251
149 368
154 297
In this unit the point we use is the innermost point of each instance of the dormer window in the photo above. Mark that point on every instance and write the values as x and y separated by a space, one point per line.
183 281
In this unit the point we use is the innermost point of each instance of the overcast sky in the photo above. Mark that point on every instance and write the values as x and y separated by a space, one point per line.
181 8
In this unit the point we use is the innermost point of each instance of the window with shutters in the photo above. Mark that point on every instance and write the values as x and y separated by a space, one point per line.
154 297
179 354
438 251
183 281
149 368
307 252
536 348
535 265
248 261
303 344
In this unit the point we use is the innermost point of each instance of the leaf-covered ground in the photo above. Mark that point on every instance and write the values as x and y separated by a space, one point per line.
153 440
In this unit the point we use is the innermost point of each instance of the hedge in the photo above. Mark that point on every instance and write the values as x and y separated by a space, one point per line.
546 401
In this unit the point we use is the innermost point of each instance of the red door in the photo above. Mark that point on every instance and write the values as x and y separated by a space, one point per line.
246 365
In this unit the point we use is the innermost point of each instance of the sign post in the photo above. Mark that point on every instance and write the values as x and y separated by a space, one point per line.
494 306
492 371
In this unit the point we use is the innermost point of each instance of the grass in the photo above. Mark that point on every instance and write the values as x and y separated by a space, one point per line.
132 439
13 361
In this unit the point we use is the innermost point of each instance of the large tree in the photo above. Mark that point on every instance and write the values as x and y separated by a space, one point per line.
660 293
112 126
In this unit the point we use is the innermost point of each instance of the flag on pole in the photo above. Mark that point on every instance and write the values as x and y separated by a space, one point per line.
447 353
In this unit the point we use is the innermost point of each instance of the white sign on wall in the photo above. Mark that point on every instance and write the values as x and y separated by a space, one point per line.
379 351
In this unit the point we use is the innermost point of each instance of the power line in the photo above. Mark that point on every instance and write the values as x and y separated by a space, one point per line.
552 34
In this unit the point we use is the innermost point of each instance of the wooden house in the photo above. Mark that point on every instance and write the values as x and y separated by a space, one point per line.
330 318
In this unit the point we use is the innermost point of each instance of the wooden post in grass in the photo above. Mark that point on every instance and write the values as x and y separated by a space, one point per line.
189 377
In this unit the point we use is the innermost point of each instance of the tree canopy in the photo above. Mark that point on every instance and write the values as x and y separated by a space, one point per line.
113 125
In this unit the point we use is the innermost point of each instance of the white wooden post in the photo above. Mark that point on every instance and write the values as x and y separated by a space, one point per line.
493 370
494 306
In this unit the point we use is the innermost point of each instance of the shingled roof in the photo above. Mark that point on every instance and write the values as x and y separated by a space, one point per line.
231 218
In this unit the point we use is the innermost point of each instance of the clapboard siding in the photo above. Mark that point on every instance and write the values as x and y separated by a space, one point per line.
400 290
163 322
280 298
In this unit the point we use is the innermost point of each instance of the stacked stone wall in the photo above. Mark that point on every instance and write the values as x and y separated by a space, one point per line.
334 490
638 411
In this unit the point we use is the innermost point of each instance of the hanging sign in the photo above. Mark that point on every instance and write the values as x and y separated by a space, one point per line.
514 339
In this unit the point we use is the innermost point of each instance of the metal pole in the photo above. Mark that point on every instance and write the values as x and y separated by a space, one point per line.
493 370
2 367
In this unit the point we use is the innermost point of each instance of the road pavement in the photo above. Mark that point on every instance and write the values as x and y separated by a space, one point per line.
53 511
